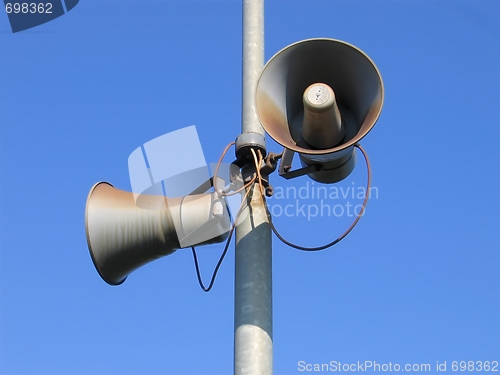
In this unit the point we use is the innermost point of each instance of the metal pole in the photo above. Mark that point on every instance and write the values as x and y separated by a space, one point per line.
253 332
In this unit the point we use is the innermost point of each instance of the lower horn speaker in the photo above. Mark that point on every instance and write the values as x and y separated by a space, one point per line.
123 237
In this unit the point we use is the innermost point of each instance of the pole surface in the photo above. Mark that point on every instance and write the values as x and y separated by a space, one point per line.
253 62
253 346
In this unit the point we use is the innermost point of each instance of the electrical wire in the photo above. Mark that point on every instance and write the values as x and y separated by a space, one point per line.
228 241
358 217
214 275
258 177
224 193
247 185
231 231
258 163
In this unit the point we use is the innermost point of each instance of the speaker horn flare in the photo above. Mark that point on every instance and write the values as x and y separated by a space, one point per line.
123 237
319 97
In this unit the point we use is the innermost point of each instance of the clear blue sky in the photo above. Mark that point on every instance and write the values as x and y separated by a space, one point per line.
417 281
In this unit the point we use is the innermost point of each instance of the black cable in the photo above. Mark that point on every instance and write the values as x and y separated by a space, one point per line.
214 275
228 241
365 201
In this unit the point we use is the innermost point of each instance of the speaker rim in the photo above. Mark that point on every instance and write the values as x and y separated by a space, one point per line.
351 142
88 235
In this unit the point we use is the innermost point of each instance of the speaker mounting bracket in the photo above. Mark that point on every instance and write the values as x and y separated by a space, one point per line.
286 166
246 141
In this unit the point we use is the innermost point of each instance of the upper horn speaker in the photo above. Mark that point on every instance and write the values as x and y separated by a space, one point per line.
318 97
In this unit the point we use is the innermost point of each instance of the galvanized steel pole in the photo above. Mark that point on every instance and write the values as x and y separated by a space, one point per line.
253 345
